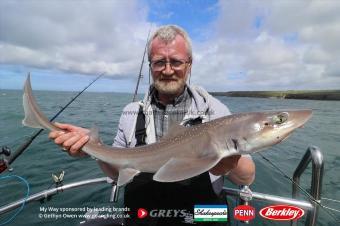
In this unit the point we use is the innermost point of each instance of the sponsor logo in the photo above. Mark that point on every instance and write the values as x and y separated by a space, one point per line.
244 213
163 213
282 212
204 213
142 213
167 213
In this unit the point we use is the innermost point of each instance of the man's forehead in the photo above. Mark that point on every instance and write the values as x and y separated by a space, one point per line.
177 45
178 39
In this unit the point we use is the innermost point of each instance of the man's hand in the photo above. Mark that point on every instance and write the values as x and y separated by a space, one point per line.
240 169
71 139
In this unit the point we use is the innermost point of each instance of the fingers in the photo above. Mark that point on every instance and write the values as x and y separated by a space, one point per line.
64 126
69 127
55 134
75 148
71 142
63 138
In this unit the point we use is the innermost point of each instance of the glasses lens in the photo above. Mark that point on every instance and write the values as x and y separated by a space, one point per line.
177 64
159 65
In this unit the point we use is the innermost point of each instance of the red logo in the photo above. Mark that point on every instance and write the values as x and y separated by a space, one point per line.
282 212
244 213
142 213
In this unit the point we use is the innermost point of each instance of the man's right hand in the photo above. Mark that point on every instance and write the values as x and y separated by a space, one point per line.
71 139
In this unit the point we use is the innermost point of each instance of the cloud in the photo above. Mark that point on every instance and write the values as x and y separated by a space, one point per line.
249 45
74 36
272 45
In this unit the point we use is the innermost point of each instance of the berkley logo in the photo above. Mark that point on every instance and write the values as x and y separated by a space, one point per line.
244 213
282 212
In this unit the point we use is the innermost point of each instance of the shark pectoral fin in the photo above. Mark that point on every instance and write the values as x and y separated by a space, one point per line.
126 175
177 169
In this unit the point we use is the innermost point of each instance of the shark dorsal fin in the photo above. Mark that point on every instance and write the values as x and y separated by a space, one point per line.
174 129
94 135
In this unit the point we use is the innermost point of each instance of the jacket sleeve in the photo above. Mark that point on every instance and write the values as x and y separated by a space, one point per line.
217 108
126 126
120 139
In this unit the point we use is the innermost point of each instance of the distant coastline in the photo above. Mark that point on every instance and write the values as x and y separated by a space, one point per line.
290 94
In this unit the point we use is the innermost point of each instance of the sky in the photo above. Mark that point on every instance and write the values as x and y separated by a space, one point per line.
237 45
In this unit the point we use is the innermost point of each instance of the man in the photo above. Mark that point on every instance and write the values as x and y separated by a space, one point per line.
169 100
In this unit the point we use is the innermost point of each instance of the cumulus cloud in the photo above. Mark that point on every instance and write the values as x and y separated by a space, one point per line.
250 45
74 36
272 45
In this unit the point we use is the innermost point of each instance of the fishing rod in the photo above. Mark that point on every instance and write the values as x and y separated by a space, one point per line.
10 158
141 68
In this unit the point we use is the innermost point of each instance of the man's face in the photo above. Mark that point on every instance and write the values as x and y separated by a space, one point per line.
170 81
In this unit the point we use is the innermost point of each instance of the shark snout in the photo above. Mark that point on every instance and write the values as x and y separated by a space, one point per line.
301 117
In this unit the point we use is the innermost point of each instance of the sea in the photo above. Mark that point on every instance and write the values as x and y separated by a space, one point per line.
43 158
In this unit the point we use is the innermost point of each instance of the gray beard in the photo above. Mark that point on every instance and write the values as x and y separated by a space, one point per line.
169 88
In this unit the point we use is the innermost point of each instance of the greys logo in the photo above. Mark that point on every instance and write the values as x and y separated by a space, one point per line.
168 213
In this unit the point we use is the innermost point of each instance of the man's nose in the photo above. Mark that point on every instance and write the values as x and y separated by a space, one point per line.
168 69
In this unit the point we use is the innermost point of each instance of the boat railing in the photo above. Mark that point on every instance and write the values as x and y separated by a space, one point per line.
46 194
313 154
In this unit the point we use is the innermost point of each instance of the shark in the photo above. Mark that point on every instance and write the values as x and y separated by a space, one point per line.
184 152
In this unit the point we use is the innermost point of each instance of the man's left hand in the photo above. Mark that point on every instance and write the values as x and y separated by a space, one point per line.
225 165
240 169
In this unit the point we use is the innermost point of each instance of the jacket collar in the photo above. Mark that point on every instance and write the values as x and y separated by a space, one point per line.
198 108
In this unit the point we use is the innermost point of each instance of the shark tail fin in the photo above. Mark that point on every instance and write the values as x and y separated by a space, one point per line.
33 116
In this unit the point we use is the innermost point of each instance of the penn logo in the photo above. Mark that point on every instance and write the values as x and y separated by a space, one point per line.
244 213
282 212
142 213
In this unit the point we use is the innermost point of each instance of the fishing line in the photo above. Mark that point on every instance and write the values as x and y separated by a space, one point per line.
332 200
325 208
23 204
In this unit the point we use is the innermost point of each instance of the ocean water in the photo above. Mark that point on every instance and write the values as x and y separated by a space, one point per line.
103 110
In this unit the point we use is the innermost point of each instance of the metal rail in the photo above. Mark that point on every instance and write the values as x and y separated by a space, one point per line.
314 155
50 192
271 198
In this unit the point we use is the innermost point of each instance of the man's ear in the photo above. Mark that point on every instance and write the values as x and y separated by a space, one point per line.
188 74
189 67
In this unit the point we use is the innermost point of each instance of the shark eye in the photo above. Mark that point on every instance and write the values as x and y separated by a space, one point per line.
280 118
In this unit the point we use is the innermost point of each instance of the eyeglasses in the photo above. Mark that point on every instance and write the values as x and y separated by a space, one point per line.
176 65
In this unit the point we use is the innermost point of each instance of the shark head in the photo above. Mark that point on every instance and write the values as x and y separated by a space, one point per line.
259 130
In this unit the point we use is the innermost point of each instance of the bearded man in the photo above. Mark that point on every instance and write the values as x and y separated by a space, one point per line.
169 100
